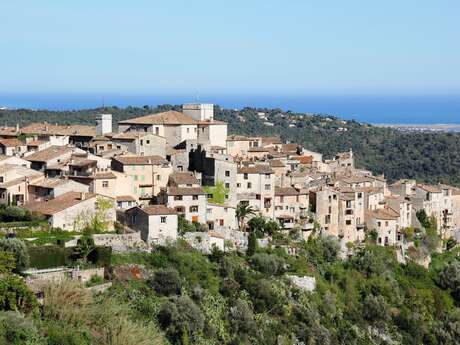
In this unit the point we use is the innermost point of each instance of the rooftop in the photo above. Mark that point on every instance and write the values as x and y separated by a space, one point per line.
49 129
59 203
170 117
141 160
48 153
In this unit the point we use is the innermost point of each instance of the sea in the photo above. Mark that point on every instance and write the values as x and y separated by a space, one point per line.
395 109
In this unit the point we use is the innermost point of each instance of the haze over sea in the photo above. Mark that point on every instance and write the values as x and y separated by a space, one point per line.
423 109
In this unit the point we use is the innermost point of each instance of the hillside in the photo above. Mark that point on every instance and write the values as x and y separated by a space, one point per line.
431 157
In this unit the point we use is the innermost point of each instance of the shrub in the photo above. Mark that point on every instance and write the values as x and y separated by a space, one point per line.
166 282
252 244
181 317
15 329
49 256
242 318
267 263
375 309
15 295
101 256
19 250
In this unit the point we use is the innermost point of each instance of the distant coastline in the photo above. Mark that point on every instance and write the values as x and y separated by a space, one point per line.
420 110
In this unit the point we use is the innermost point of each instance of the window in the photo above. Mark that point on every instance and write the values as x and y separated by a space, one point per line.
227 185
238 185
267 187
135 177
180 168
177 197
330 209
193 209
226 198
330 198
163 220
327 219
118 147
157 130
249 185
334 197
188 130
245 176
105 184
281 198
194 197
147 142
379 224
227 173
1 179
348 222
360 195
267 176
210 196
180 209
386 223
158 177
221 222
142 142
225 209
348 204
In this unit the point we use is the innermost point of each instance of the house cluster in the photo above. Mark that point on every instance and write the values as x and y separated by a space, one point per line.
156 167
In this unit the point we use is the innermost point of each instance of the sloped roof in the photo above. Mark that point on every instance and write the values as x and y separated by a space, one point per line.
180 178
48 153
186 191
60 203
286 191
255 169
155 210
170 117
276 163
11 142
48 129
141 160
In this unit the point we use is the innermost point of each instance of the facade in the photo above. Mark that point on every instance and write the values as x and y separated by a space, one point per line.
71 211
188 201
157 224
221 217
256 187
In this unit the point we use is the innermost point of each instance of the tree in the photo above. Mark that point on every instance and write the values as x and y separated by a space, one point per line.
19 249
181 318
85 246
242 212
7 262
242 319
252 243
257 224
166 282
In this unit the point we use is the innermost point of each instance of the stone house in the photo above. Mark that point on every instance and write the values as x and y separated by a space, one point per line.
172 125
238 145
156 223
188 201
324 203
14 183
385 222
290 204
14 160
148 174
139 143
71 211
50 188
221 217
256 187
49 158
12 147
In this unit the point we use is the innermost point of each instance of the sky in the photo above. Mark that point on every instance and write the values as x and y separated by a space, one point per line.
230 47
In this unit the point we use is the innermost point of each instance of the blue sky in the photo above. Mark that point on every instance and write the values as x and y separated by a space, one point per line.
230 47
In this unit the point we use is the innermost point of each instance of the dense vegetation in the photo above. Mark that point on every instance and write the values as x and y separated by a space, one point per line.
179 296
431 157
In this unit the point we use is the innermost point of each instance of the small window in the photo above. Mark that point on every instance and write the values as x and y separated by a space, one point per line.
249 185
163 220
177 197
227 173
105 184
379 224
147 142
193 209
227 185
267 176
157 130
267 187
348 222
238 185
245 176
386 223
158 177
188 130
226 196
142 142
194 197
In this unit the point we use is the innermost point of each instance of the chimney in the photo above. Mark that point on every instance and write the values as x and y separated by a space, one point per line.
17 127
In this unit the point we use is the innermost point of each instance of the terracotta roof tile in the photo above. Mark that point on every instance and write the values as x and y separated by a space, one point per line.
170 117
141 160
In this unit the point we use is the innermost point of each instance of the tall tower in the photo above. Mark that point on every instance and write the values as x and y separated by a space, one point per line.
199 112
103 124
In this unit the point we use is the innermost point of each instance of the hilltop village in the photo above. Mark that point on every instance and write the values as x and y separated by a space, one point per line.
174 174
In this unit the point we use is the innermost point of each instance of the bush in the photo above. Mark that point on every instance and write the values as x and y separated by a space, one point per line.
101 256
375 309
242 319
166 282
15 295
15 329
181 318
268 264
19 250
252 244
49 256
